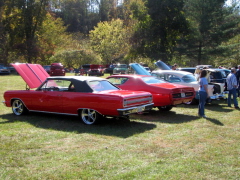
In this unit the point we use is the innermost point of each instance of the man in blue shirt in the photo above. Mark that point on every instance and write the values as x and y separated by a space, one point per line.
232 88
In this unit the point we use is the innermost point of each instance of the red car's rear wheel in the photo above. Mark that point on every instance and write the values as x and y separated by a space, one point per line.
90 116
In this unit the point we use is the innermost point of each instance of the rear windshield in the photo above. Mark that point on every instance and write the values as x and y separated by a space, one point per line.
189 78
152 80
102 85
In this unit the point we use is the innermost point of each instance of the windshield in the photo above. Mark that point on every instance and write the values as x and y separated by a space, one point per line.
102 85
217 75
189 78
152 80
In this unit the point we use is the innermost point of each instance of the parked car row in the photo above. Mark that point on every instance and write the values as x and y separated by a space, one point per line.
92 98
216 78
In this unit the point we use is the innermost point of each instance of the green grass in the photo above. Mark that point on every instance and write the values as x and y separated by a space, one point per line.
157 145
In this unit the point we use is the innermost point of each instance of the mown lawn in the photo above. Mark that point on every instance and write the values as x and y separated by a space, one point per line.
157 145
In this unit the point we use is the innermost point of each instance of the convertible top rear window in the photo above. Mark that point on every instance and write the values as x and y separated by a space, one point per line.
101 85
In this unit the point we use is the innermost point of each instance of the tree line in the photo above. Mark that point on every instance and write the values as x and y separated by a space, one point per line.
76 32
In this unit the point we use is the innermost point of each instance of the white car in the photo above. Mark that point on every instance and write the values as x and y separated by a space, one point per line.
188 79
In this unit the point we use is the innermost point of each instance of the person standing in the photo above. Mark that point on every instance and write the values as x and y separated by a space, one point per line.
232 88
197 73
238 81
203 93
174 67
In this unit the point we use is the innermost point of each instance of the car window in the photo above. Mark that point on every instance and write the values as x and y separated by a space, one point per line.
101 85
223 74
152 80
216 75
56 85
118 81
189 78
173 78
227 72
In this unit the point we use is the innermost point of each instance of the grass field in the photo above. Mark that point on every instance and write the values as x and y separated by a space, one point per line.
158 145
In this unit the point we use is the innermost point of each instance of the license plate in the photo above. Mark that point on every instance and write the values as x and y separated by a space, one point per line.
182 94
140 109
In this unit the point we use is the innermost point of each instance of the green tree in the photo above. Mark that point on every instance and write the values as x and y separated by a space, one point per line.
110 40
161 24
51 37
211 24
3 58
22 19
76 58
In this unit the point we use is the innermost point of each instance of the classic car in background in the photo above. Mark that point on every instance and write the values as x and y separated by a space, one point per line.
57 69
96 70
165 95
109 68
4 70
217 78
120 69
184 78
90 98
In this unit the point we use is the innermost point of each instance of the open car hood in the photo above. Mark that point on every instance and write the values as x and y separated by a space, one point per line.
161 65
33 74
139 69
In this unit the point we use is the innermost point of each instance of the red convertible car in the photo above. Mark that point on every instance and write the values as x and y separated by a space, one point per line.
88 97
165 95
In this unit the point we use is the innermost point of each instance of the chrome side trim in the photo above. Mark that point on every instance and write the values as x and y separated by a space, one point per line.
54 113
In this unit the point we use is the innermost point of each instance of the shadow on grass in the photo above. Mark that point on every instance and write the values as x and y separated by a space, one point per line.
215 121
171 117
111 127
165 117
212 107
